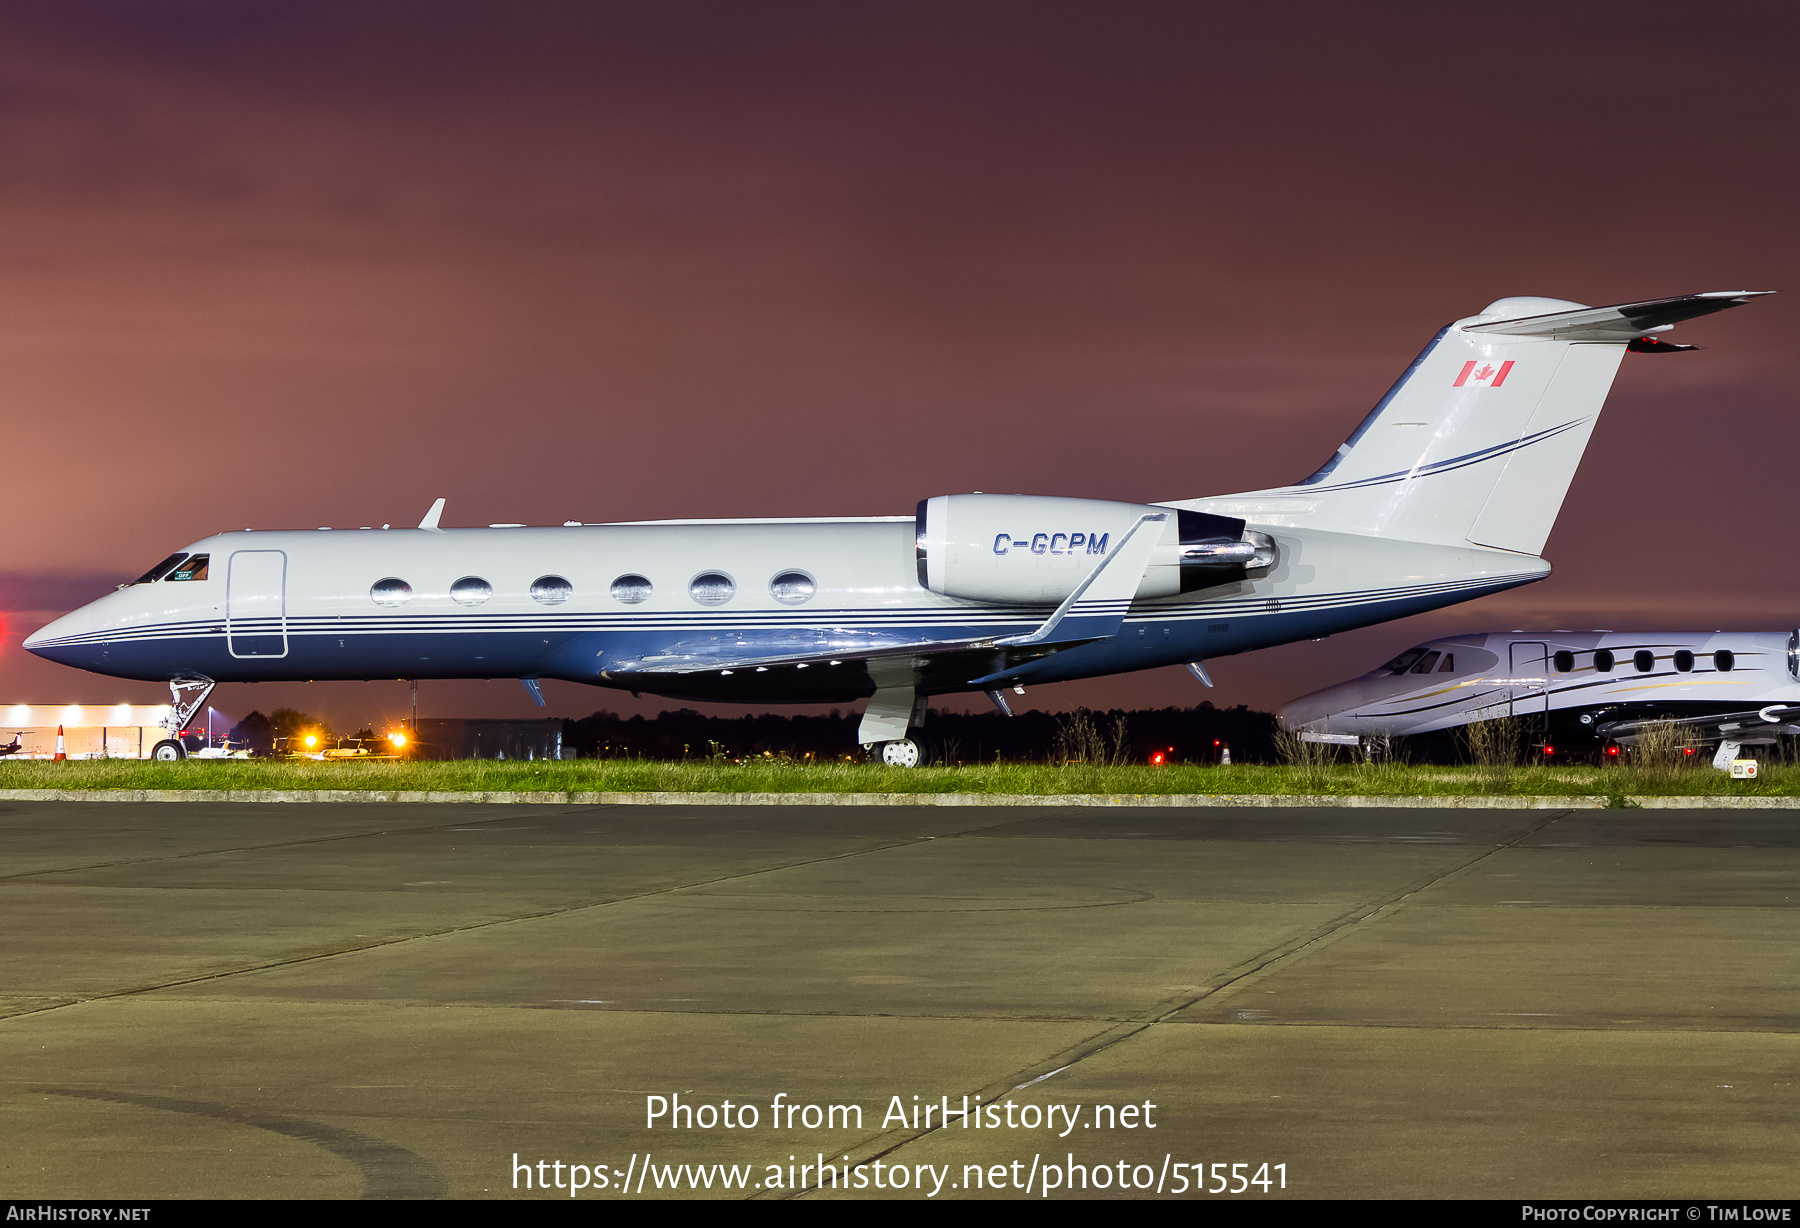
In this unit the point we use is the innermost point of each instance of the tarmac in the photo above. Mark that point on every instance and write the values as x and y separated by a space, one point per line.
223 1000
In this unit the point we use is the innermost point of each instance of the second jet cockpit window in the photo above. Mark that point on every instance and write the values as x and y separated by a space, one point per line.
193 569
1404 662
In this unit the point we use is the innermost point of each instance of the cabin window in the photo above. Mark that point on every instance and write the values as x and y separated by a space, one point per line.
631 589
1644 659
712 588
1449 665
1404 662
193 569
551 590
1565 661
793 587
161 569
1424 666
471 590
1724 660
391 591
1684 661
1603 660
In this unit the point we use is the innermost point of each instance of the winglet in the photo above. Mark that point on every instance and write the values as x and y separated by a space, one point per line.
431 517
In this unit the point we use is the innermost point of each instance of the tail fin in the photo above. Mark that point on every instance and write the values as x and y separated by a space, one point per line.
1480 438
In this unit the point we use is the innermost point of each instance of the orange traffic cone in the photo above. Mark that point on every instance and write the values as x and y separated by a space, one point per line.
59 756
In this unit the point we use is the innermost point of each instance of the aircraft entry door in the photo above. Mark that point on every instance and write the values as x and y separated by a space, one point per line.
1530 678
256 604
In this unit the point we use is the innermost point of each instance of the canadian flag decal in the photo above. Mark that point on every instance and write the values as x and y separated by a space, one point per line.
1480 374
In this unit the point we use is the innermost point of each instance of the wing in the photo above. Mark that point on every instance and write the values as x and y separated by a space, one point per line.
1774 719
1094 611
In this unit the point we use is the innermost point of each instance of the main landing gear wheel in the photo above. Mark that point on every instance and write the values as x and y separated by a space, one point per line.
167 751
909 752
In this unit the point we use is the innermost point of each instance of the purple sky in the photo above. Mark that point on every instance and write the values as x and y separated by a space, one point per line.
285 265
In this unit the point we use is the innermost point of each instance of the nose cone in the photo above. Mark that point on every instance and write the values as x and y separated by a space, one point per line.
1305 712
78 623
64 640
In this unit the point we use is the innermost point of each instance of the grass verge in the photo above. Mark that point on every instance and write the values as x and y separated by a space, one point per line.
776 776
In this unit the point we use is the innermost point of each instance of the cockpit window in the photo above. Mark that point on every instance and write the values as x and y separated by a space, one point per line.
1424 666
1404 662
161 569
1449 665
193 569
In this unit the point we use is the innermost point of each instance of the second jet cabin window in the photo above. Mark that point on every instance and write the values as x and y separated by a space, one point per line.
1644 659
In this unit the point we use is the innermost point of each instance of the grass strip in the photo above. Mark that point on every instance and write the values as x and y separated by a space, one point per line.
779 776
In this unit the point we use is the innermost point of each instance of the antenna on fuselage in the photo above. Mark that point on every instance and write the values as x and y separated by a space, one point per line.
431 517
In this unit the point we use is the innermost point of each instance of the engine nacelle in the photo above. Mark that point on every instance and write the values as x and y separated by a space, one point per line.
1035 549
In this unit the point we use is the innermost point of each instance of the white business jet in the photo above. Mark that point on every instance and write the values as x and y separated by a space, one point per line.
1582 691
1446 492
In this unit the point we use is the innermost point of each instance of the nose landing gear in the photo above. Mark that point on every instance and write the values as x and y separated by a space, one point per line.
186 695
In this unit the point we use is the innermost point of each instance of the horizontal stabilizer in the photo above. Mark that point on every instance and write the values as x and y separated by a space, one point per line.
1622 322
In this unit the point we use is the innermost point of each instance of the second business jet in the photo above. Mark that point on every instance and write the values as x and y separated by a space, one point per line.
1580 690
